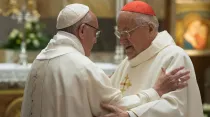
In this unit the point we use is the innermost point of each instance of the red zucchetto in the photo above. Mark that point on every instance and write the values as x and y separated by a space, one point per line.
139 7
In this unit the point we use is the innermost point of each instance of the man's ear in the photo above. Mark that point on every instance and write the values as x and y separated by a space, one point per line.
151 28
81 31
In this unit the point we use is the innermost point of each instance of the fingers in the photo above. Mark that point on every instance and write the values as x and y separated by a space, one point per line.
112 108
179 75
176 70
182 85
173 85
184 79
163 70
109 115
170 81
108 107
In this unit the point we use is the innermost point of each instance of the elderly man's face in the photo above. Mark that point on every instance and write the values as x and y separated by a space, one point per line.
139 39
89 34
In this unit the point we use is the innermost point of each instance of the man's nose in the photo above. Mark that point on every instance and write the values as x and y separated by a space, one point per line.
123 40
95 41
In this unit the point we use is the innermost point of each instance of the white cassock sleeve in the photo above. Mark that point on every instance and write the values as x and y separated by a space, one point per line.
176 103
99 89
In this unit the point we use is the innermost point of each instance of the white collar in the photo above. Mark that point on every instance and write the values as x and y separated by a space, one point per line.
161 41
62 43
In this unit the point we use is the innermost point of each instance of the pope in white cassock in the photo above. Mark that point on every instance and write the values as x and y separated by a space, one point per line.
63 82
147 51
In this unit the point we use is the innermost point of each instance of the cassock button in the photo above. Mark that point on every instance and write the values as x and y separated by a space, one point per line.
31 113
32 100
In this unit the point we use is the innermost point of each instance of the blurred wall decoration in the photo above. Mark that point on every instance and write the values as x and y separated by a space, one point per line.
190 25
193 25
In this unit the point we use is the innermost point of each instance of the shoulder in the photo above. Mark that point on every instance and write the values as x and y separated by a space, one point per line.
76 60
174 55
82 63
71 63
173 51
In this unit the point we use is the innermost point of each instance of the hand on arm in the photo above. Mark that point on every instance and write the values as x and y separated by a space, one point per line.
114 111
171 81
176 103
166 82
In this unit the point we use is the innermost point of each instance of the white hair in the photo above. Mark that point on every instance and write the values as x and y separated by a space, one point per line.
142 19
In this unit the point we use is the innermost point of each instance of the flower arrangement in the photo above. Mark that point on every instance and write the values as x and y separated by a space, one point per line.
206 108
34 37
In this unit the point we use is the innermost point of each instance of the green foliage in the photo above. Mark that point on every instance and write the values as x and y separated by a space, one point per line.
34 37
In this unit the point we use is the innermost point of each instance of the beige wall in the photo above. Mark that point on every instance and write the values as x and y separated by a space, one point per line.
158 6
102 8
51 8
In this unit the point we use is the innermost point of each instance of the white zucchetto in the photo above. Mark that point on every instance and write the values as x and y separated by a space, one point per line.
70 15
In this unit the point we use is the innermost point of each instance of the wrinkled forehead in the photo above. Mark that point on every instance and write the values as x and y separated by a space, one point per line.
126 20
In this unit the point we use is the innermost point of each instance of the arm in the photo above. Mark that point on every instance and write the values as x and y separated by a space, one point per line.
165 83
177 103
99 89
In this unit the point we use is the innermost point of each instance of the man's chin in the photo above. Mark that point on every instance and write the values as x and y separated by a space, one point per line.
130 58
87 54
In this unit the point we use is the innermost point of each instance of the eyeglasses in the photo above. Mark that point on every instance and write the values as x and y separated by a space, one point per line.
125 34
98 31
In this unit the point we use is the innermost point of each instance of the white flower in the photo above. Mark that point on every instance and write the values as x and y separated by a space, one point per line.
21 35
28 26
206 107
36 43
32 36
28 41
13 34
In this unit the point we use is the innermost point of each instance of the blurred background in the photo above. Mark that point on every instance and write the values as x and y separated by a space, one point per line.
26 26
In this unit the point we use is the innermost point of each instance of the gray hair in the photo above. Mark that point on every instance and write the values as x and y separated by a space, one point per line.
72 29
143 19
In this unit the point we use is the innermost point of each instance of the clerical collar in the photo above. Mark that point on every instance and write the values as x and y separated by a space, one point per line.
71 40
62 43
161 41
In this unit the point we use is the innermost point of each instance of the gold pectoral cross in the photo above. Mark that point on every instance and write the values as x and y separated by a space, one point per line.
125 84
